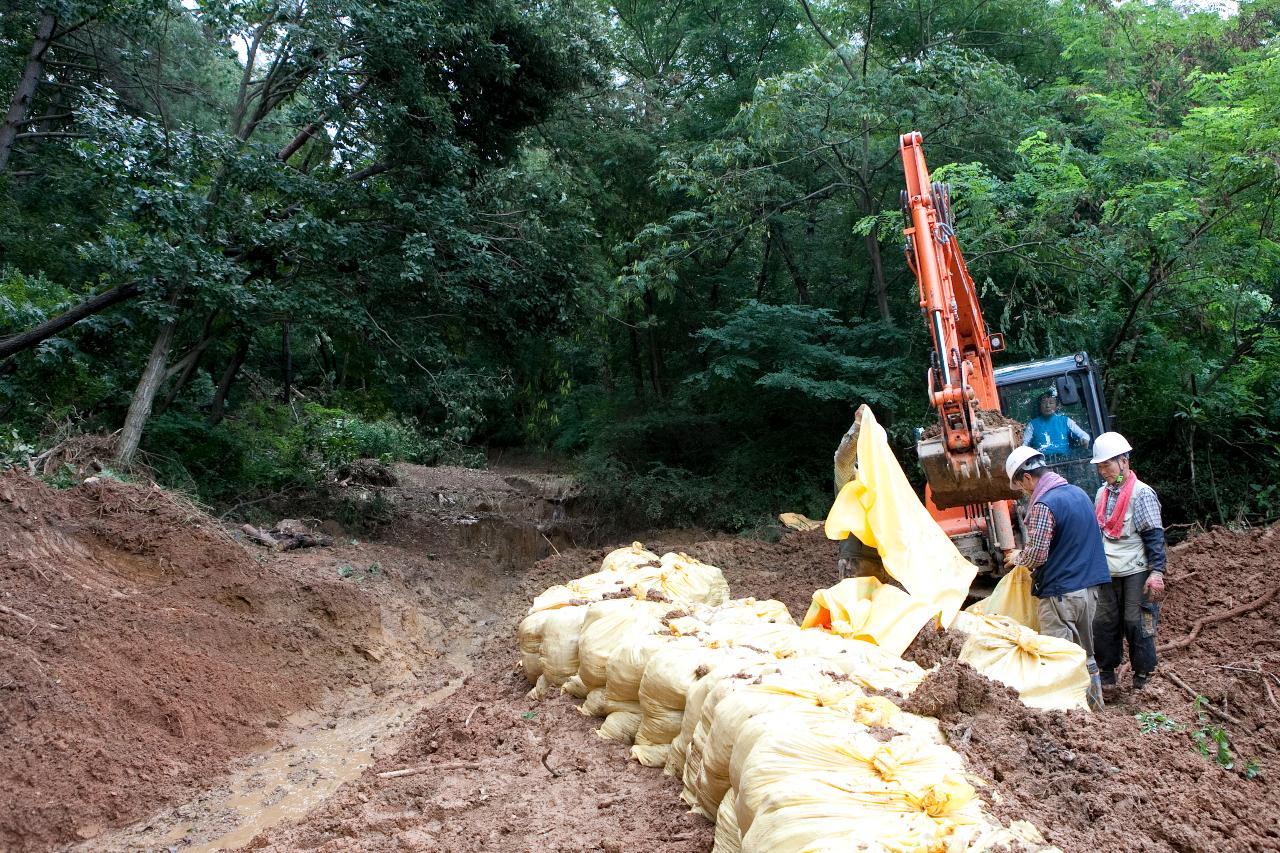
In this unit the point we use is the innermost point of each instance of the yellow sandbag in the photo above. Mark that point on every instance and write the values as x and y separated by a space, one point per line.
667 679
763 727
574 687
626 667
529 636
620 726
865 609
796 521
625 559
728 837
946 815
678 758
579 591
734 702
744 610
1047 672
881 509
607 626
681 580
560 644
798 746
1012 597
651 754
866 663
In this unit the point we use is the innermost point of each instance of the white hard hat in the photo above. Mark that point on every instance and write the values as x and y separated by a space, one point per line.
1020 458
1109 445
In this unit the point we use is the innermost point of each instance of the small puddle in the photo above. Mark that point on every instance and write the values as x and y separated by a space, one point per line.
284 784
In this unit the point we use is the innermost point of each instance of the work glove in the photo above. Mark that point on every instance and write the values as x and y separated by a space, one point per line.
1011 559
1154 587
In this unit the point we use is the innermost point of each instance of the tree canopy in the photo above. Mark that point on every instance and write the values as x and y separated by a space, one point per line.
662 239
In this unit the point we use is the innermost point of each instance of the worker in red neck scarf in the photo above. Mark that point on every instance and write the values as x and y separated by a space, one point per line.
1128 610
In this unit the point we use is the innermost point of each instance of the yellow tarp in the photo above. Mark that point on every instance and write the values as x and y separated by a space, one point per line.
881 509
865 609
1012 597
796 521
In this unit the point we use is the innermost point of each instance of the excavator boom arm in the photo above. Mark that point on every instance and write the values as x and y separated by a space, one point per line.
964 464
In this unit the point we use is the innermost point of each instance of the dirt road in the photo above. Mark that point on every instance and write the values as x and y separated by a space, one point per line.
167 687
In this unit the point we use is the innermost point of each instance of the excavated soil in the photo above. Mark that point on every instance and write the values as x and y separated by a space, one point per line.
142 648
149 659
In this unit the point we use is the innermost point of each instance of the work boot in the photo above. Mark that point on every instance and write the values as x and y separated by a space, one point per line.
1140 679
1108 677
1094 695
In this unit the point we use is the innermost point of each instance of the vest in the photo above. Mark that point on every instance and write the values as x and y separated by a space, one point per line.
1050 435
1126 555
1076 557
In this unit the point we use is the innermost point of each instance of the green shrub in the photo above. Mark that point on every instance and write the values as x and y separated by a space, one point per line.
269 447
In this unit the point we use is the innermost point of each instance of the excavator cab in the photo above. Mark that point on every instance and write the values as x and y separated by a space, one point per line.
1041 394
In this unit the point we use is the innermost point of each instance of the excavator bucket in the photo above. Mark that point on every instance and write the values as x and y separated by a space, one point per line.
972 478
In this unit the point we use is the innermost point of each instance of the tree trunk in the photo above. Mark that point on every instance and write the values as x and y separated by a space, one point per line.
26 340
20 105
655 355
877 274
286 361
637 368
218 408
145 394
797 277
190 362
763 278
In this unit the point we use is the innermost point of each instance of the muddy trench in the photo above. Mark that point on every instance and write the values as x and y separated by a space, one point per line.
169 687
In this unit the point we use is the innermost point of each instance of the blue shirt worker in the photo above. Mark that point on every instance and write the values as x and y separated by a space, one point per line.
1051 432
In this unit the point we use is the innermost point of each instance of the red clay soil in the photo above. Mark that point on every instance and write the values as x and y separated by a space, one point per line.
505 772
497 771
140 649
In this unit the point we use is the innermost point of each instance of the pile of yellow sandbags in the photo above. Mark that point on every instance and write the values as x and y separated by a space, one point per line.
549 636
778 731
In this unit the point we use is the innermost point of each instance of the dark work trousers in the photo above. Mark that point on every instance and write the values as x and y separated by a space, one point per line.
860 561
1125 614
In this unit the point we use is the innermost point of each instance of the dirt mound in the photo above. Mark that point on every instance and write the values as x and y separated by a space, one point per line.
142 648
932 646
955 691
1095 781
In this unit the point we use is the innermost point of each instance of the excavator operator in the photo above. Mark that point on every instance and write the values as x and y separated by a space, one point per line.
1051 432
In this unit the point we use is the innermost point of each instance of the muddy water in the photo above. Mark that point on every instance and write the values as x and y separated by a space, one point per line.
320 750
328 748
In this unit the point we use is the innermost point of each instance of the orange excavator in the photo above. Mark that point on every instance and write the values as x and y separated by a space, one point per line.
980 408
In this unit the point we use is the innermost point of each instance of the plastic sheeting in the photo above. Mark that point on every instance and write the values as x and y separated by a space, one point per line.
1012 597
865 609
880 507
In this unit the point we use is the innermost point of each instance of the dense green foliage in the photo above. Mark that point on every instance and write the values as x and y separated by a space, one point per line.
662 239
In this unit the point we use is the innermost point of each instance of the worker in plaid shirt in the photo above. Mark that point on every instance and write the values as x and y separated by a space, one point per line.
1064 553
1128 513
